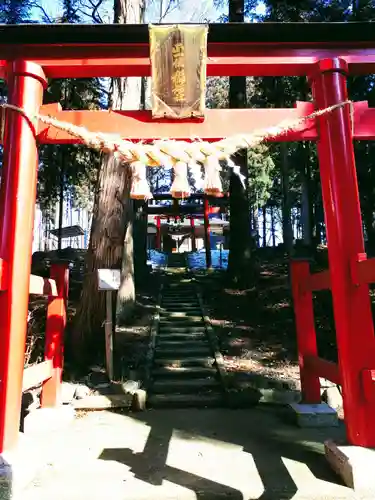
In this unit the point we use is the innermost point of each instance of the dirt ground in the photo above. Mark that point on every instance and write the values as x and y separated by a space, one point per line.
255 326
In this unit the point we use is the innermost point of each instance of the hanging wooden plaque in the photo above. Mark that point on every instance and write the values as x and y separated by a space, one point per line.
178 70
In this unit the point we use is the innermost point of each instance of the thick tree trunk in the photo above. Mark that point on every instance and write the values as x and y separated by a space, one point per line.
286 205
111 239
127 93
307 214
273 228
368 220
239 261
105 251
264 226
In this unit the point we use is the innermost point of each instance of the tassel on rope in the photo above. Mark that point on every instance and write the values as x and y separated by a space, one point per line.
212 179
196 173
140 189
237 171
180 186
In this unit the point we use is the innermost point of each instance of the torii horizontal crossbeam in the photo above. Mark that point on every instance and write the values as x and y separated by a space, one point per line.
218 123
250 49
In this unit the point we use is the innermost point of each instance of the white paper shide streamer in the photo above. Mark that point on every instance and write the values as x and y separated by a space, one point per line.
212 179
140 190
180 186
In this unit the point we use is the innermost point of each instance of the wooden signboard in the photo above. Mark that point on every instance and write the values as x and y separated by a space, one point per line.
178 70
109 280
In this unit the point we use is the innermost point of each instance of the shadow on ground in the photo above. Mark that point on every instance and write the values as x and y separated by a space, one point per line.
269 446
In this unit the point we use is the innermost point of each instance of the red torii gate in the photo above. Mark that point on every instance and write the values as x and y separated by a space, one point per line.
31 54
199 212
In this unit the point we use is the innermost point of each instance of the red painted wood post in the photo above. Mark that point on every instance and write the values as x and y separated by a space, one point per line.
55 328
193 239
351 302
305 328
207 242
26 81
158 233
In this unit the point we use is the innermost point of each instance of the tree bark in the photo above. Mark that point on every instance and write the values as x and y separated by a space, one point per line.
306 204
286 204
111 238
264 226
273 230
239 260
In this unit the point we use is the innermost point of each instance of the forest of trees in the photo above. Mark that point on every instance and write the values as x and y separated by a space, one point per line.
281 178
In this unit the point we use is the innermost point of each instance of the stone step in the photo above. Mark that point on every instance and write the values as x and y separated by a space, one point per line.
167 305
177 289
208 400
163 343
179 295
181 319
184 371
180 304
184 352
180 288
180 298
174 325
180 314
190 305
184 337
184 361
197 328
184 386
192 311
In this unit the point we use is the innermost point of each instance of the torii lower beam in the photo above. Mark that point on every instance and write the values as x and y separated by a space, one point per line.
218 123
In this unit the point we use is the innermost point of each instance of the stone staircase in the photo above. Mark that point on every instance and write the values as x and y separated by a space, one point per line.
176 260
184 369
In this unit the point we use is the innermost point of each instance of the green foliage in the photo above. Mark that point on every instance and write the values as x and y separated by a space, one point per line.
15 11
261 171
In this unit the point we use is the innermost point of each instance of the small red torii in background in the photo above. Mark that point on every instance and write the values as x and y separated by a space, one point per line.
257 49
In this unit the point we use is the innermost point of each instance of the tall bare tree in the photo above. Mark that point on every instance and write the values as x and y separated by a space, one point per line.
111 239
239 262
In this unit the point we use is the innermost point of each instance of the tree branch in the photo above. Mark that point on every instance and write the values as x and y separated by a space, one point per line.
93 8
45 17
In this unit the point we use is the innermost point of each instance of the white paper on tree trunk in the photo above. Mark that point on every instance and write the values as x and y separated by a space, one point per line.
109 279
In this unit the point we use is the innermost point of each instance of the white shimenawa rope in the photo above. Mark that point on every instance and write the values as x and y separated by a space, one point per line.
168 152
174 150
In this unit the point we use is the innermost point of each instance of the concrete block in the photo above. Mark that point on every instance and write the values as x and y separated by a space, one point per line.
313 415
81 391
334 398
67 392
355 465
139 400
104 402
19 466
45 420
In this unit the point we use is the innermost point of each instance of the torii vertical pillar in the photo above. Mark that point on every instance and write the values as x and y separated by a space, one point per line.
26 82
158 234
207 242
351 302
193 239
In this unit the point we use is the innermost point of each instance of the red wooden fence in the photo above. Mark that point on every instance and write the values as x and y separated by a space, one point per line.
311 365
49 372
